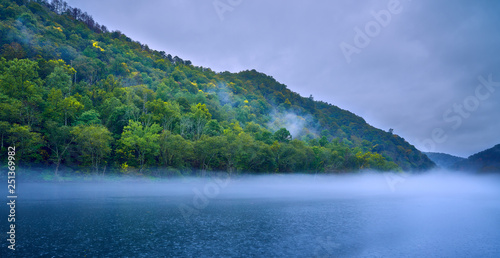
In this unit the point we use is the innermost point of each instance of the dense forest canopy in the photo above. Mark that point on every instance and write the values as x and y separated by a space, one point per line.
74 94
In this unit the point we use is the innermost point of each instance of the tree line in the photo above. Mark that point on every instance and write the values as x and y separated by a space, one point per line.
53 121
102 102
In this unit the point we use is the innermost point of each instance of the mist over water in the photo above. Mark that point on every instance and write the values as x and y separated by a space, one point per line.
437 183
438 213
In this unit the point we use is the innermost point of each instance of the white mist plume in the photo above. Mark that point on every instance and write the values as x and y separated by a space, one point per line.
295 124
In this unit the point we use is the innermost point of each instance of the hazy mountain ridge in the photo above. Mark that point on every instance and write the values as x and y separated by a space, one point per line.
107 80
444 160
484 161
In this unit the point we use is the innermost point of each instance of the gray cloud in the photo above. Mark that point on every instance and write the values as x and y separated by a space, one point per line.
427 58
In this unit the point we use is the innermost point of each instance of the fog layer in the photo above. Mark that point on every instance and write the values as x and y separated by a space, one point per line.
223 185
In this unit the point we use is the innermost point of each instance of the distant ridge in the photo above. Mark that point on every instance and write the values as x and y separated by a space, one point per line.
484 161
444 160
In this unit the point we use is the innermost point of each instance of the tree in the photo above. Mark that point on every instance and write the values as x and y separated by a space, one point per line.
175 151
13 50
210 152
88 68
60 80
265 136
70 108
27 143
144 140
289 156
59 139
93 143
184 104
4 128
213 128
250 155
276 150
53 110
62 108
323 141
164 113
88 118
200 118
113 114
186 126
282 135
10 108
19 80
110 83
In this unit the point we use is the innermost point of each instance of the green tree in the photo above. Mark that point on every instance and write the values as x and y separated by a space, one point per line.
290 158
164 113
213 128
59 140
200 118
251 155
88 118
209 152
27 143
144 140
110 83
184 104
10 109
282 135
175 151
70 108
59 108
323 141
60 80
19 80
265 136
93 144
4 128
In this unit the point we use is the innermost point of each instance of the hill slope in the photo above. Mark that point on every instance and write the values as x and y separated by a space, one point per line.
444 160
484 161
76 94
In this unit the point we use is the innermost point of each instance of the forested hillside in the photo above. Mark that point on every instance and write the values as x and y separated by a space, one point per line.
76 95
484 161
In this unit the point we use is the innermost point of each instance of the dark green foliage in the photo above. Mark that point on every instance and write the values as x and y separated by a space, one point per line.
88 118
118 104
282 135
484 161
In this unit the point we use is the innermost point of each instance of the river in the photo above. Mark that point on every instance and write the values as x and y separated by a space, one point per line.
370 215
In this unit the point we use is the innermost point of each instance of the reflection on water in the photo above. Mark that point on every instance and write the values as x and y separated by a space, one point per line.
361 216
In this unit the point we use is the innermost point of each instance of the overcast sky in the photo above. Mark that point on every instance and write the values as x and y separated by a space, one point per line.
420 67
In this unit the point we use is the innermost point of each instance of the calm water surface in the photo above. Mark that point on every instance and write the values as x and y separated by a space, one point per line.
287 216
